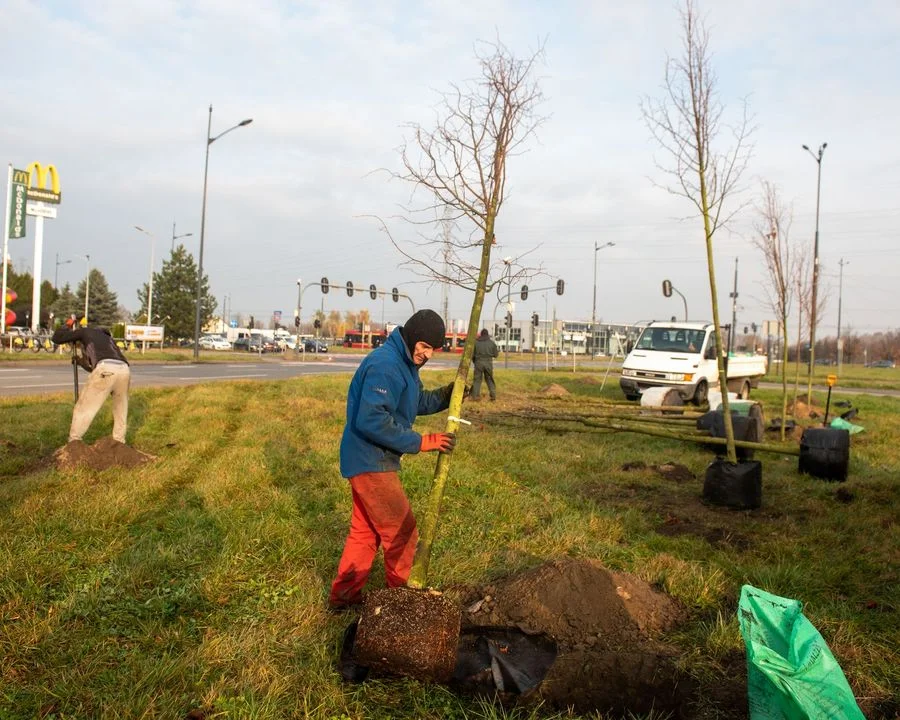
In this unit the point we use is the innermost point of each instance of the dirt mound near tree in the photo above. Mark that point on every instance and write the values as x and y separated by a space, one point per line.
103 454
553 390
607 626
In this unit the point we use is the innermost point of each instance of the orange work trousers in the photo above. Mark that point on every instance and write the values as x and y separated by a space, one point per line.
382 517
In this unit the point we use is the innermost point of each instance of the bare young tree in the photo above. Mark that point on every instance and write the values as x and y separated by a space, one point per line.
804 285
685 123
772 238
458 172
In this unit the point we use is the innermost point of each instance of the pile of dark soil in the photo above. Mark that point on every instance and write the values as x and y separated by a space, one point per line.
553 390
606 625
104 454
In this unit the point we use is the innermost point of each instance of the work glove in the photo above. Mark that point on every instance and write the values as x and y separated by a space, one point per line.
442 442
447 391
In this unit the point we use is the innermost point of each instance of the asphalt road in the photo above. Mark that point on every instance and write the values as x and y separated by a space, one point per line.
39 378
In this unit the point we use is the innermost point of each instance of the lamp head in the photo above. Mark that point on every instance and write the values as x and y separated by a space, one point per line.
139 228
242 123
824 145
806 147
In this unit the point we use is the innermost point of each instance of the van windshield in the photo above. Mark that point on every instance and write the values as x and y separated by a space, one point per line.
670 339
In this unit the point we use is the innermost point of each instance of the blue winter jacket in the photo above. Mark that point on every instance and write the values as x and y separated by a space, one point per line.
384 398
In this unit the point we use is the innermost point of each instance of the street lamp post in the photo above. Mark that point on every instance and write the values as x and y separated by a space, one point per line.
56 274
209 141
597 248
87 285
178 237
815 278
150 285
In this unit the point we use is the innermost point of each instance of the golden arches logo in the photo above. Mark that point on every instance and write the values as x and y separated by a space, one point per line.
22 177
39 190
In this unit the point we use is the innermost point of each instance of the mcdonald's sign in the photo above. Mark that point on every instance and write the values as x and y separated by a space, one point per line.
38 191
18 192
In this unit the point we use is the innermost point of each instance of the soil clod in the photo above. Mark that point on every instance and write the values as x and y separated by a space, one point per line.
408 632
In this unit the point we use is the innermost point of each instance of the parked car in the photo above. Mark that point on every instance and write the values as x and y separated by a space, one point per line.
214 342
883 364
250 344
313 345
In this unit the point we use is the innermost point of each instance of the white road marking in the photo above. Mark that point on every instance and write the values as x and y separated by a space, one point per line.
226 377
68 384
13 369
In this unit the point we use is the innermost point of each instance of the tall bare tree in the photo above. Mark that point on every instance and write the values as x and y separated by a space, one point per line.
772 238
457 171
686 122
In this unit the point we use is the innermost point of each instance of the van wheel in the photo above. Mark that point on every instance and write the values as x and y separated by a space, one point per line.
632 397
701 394
744 394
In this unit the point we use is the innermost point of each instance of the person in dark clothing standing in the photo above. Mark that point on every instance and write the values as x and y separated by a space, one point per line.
109 375
485 352
383 400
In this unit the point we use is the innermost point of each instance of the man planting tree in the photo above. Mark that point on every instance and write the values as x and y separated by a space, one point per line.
384 398
110 375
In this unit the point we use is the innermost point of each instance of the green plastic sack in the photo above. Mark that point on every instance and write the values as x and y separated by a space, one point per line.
842 424
791 673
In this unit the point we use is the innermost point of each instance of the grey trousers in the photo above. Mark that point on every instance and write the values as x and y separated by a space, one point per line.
487 372
108 378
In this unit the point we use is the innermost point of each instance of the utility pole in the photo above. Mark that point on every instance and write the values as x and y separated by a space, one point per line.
840 342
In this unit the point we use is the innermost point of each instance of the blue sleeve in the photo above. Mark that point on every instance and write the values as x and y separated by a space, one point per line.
433 401
376 415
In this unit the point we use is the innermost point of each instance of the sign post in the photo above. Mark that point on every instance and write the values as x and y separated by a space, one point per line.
39 195
13 227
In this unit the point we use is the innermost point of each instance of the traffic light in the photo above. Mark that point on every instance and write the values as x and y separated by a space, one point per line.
560 286
534 319
524 292
296 321
667 288
373 292
395 294
317 323
509 319
324 282
349 289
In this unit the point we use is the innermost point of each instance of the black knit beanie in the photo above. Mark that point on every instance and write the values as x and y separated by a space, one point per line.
424 326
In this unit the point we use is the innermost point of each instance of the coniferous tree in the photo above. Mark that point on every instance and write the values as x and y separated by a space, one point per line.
175 296
103 304
65 305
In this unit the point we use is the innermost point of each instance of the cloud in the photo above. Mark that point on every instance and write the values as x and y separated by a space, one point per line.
118 99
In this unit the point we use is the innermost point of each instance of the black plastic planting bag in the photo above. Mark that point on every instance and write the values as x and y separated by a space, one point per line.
737 486
825 453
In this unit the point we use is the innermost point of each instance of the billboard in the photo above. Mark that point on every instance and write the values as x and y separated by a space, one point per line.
150 333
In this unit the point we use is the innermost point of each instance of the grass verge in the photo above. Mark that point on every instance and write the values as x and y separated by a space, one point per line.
199 581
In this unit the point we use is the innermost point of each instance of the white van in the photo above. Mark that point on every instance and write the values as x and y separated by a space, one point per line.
683 356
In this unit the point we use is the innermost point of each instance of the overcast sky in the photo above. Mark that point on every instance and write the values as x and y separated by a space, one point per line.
116 95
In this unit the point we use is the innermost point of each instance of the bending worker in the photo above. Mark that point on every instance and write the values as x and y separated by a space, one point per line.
109 375
384 398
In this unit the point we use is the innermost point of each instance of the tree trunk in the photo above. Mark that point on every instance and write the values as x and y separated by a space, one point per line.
418 576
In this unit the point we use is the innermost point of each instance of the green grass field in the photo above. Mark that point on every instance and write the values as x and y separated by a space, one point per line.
198 582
